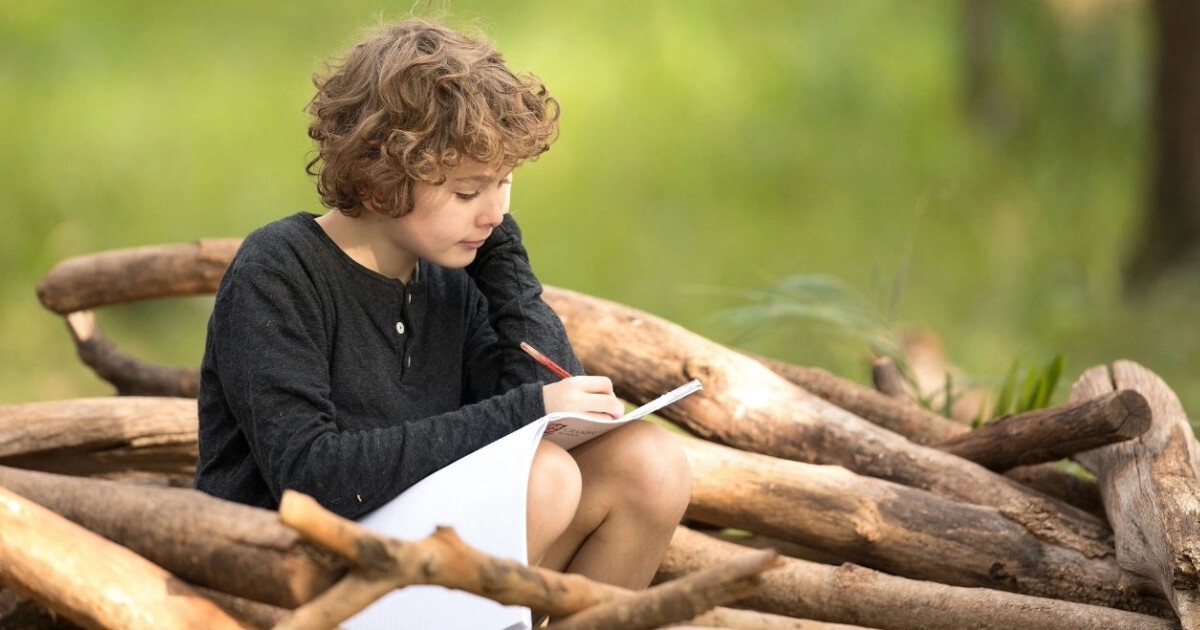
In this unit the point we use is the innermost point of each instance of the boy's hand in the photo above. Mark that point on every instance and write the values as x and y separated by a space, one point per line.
590 396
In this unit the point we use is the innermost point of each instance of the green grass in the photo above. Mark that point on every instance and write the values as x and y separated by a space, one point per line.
711 144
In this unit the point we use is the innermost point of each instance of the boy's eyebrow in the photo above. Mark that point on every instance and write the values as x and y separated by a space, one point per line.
481 178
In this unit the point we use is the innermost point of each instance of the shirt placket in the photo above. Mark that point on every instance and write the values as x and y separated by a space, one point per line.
404 330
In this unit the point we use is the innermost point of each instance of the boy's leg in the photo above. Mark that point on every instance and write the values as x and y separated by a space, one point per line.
554 489
636 486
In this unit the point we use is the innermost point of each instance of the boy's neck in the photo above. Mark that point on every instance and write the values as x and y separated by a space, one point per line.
365 243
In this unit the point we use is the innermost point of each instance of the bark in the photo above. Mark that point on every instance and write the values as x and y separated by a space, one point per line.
92 436
747 406
895 528
1047 435
754 620
130 375
251 614
784 547
91 581
128 275
678 600
1151 488
926 427
852 594
225 546
888 379
1060 484
18 612
919 425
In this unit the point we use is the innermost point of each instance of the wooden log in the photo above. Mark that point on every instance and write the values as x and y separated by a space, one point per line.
852 594
18 612
226 546
130 375
1047 435
925 427
128 275
91 581
758 541
912 421
249 613
677 600
888 380
1062 485
101 435
747 406
754 620
894 528
1151 488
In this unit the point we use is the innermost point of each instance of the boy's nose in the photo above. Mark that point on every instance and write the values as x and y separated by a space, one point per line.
493 215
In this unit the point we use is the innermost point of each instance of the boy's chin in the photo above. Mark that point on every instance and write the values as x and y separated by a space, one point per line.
457 261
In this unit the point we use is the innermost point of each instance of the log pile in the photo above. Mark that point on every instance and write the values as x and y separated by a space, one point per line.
887 515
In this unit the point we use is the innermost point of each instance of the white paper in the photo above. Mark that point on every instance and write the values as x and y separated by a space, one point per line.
569 430
483 497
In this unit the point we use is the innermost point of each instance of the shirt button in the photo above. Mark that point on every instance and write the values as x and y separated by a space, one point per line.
400 328
408 362
410 298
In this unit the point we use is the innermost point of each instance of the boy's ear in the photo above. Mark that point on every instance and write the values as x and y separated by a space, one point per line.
365 199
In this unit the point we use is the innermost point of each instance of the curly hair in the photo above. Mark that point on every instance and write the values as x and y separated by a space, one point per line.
413 101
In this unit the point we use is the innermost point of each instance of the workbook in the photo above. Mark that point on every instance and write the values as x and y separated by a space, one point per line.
482 496
569 430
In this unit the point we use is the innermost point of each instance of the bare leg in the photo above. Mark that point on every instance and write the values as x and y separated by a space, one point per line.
636 486
554 489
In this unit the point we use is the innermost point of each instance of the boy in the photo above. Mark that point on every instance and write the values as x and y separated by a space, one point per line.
352 354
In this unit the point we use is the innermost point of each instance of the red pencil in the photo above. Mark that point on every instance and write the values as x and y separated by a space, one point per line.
544 360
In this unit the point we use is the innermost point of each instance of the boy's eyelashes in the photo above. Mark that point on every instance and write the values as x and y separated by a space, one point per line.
467 196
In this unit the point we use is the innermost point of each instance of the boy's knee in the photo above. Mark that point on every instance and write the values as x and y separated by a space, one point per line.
555 483
660 479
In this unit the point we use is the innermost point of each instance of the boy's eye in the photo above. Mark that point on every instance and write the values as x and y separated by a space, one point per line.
466 196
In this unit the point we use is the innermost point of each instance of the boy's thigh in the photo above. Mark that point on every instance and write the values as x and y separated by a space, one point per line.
630 449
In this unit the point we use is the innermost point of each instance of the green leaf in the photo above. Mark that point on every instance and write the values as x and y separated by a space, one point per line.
1054 371
948 407
1028 391
1004 399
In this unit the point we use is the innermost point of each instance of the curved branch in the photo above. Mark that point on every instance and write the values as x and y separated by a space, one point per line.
128 275
130 375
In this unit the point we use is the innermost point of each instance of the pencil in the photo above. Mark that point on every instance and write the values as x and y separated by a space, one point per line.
544 360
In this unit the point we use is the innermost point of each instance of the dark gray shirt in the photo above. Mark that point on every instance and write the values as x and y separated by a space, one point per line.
322 376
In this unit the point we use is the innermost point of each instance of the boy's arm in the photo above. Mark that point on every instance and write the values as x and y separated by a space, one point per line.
516 312
268 340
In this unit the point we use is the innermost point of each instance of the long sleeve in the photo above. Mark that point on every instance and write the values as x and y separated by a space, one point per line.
515 312
268 365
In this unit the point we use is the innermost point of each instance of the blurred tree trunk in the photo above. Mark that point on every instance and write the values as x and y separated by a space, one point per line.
1171 232
984 103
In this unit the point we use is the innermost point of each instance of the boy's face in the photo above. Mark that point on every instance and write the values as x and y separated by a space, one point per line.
449 222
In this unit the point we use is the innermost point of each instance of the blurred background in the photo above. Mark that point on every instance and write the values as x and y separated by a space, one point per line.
983 181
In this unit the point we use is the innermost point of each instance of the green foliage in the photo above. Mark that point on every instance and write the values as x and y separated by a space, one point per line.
827 301
1036 390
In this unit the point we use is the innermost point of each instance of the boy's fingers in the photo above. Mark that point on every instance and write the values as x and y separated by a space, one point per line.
607 405
595 384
